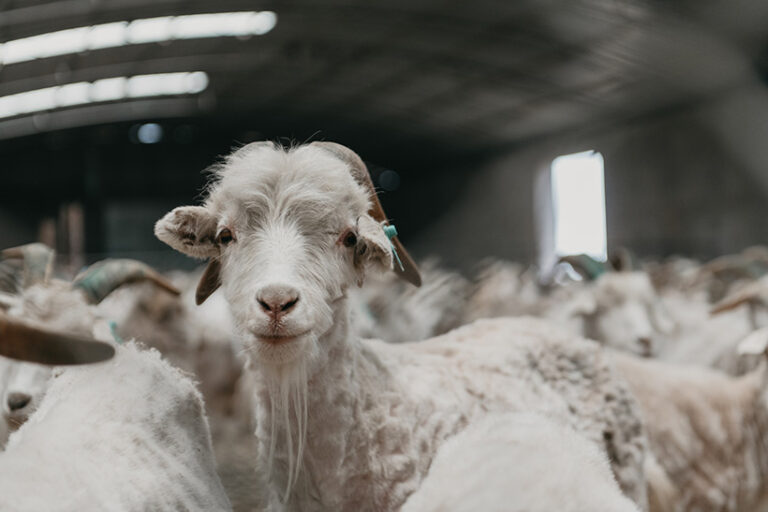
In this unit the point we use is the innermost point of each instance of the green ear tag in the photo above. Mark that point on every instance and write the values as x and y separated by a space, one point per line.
391 231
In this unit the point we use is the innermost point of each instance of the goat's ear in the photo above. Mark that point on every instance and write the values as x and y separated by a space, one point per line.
7 301
584 304
755 343
373 249
190 230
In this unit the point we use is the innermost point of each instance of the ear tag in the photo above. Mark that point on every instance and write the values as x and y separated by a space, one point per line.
113 331
391 231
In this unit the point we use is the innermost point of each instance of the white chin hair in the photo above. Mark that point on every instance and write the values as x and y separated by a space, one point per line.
301 347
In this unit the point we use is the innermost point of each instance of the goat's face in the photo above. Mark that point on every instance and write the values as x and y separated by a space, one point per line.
627 314
55 306
290 233
25 385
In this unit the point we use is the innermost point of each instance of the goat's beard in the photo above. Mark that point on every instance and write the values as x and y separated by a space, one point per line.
287 389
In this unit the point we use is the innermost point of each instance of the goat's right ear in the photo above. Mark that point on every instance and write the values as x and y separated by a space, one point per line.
190 230
755 343
373 249
584 304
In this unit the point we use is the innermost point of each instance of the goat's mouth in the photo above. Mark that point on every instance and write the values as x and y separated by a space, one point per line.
15 420
279 338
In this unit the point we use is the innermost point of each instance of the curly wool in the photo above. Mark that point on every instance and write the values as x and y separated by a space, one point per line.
378 413
126 435
708 437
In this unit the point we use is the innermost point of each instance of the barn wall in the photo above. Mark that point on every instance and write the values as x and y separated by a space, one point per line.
675 184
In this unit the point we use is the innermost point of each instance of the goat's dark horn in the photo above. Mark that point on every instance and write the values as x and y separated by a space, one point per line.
103 277
409 270
27 343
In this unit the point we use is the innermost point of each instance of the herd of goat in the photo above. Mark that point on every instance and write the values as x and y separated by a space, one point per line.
332 383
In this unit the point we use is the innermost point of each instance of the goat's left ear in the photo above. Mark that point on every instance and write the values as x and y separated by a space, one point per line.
584 304
373 249
190 230
7 301
755 343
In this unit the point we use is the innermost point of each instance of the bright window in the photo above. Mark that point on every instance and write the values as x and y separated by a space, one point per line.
578 201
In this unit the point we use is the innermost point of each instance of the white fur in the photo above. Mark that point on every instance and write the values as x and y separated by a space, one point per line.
708 433
619 309
350 424
129 435
704 339
504 289
56 306
390 309
519 463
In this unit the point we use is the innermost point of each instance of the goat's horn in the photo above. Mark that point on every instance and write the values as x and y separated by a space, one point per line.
409 271
26 343
209 282
735 264
588 267
749 294
103 277
37 259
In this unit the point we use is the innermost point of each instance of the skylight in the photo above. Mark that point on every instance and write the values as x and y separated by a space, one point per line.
150 30
108 89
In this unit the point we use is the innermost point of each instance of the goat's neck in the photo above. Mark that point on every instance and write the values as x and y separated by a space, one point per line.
756 424
744 421
343 383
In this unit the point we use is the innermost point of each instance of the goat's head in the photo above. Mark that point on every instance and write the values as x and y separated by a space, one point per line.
51 322
622 310
286 232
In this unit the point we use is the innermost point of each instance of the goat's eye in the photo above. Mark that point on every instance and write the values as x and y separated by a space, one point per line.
350 239
225 236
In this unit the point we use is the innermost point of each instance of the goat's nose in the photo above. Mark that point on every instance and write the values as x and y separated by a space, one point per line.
646 345
277 300
17 401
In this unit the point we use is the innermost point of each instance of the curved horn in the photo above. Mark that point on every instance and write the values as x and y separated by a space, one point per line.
103 277
26 343
209 282
735 264
38 261
749 293
588 267
410 271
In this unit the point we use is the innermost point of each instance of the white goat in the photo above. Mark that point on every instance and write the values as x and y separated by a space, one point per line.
194 341
129 435
519 463
65 308
350 424
198 340
619 309
703 339
389 309
708 431
503 289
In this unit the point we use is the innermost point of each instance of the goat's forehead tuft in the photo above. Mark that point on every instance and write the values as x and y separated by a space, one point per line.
634 285
264 177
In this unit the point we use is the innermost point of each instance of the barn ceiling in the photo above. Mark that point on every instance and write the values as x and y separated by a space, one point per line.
474 76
